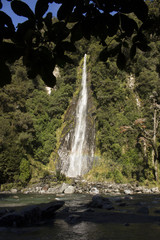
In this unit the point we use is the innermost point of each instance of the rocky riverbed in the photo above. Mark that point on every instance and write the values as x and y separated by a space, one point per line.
85 187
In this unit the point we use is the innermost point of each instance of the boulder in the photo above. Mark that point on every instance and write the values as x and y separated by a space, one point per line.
94 190
101 202
48 210
3 211
63 187
73 219
69 190
155 190
14 190
12 220
128 192
31 215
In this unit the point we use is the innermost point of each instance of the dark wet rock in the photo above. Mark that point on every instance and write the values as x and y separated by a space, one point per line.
118 200
157 211
122 204
31 215
12 220
101 202
89 210
143 210
73 219
3 212
108 206
48 210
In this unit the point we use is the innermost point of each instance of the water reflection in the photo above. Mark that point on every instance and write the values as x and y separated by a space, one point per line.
60 230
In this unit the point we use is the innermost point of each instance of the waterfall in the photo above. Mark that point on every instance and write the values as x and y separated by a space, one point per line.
77 158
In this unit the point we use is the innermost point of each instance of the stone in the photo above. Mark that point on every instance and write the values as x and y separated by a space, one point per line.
12 220
31 215
63 187
3 211
94 190
122 204
53 190
155 190
73 219
128 192
100 202
14 190
48 210
69 190
108 206
157 211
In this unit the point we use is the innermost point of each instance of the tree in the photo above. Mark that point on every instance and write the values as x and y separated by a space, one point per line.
43 43
148 137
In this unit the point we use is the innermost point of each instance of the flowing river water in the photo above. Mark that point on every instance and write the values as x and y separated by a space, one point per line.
119 224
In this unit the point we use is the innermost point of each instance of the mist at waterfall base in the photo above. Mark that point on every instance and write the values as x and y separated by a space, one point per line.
78 158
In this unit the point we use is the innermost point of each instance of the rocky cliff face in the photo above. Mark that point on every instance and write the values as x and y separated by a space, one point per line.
68 133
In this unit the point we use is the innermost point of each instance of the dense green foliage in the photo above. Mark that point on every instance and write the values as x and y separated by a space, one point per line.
126 105
29 120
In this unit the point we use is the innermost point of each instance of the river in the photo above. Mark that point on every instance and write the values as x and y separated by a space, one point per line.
119 224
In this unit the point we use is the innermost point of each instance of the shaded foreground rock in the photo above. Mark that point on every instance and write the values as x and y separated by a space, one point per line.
31 215
101 202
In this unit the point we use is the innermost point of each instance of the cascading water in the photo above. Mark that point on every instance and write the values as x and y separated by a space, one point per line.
77 158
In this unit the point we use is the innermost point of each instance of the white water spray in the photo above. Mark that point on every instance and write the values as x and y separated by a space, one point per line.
77 158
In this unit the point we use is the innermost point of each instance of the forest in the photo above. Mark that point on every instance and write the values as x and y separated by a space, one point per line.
126 95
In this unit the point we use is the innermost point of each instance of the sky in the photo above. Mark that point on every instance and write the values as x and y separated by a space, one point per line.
53 7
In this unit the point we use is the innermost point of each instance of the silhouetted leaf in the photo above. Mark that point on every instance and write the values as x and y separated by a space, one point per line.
10 52
126 6
125 44
74 17
22 9
62 60
48 20
47 76
143 47
68 46
65 9
6 20
121 61
0 4
59 32
140 9
128 25
76 32
133 51
40 8
5 75
147 24
104 54
23 29
114 51
56 1
113 25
